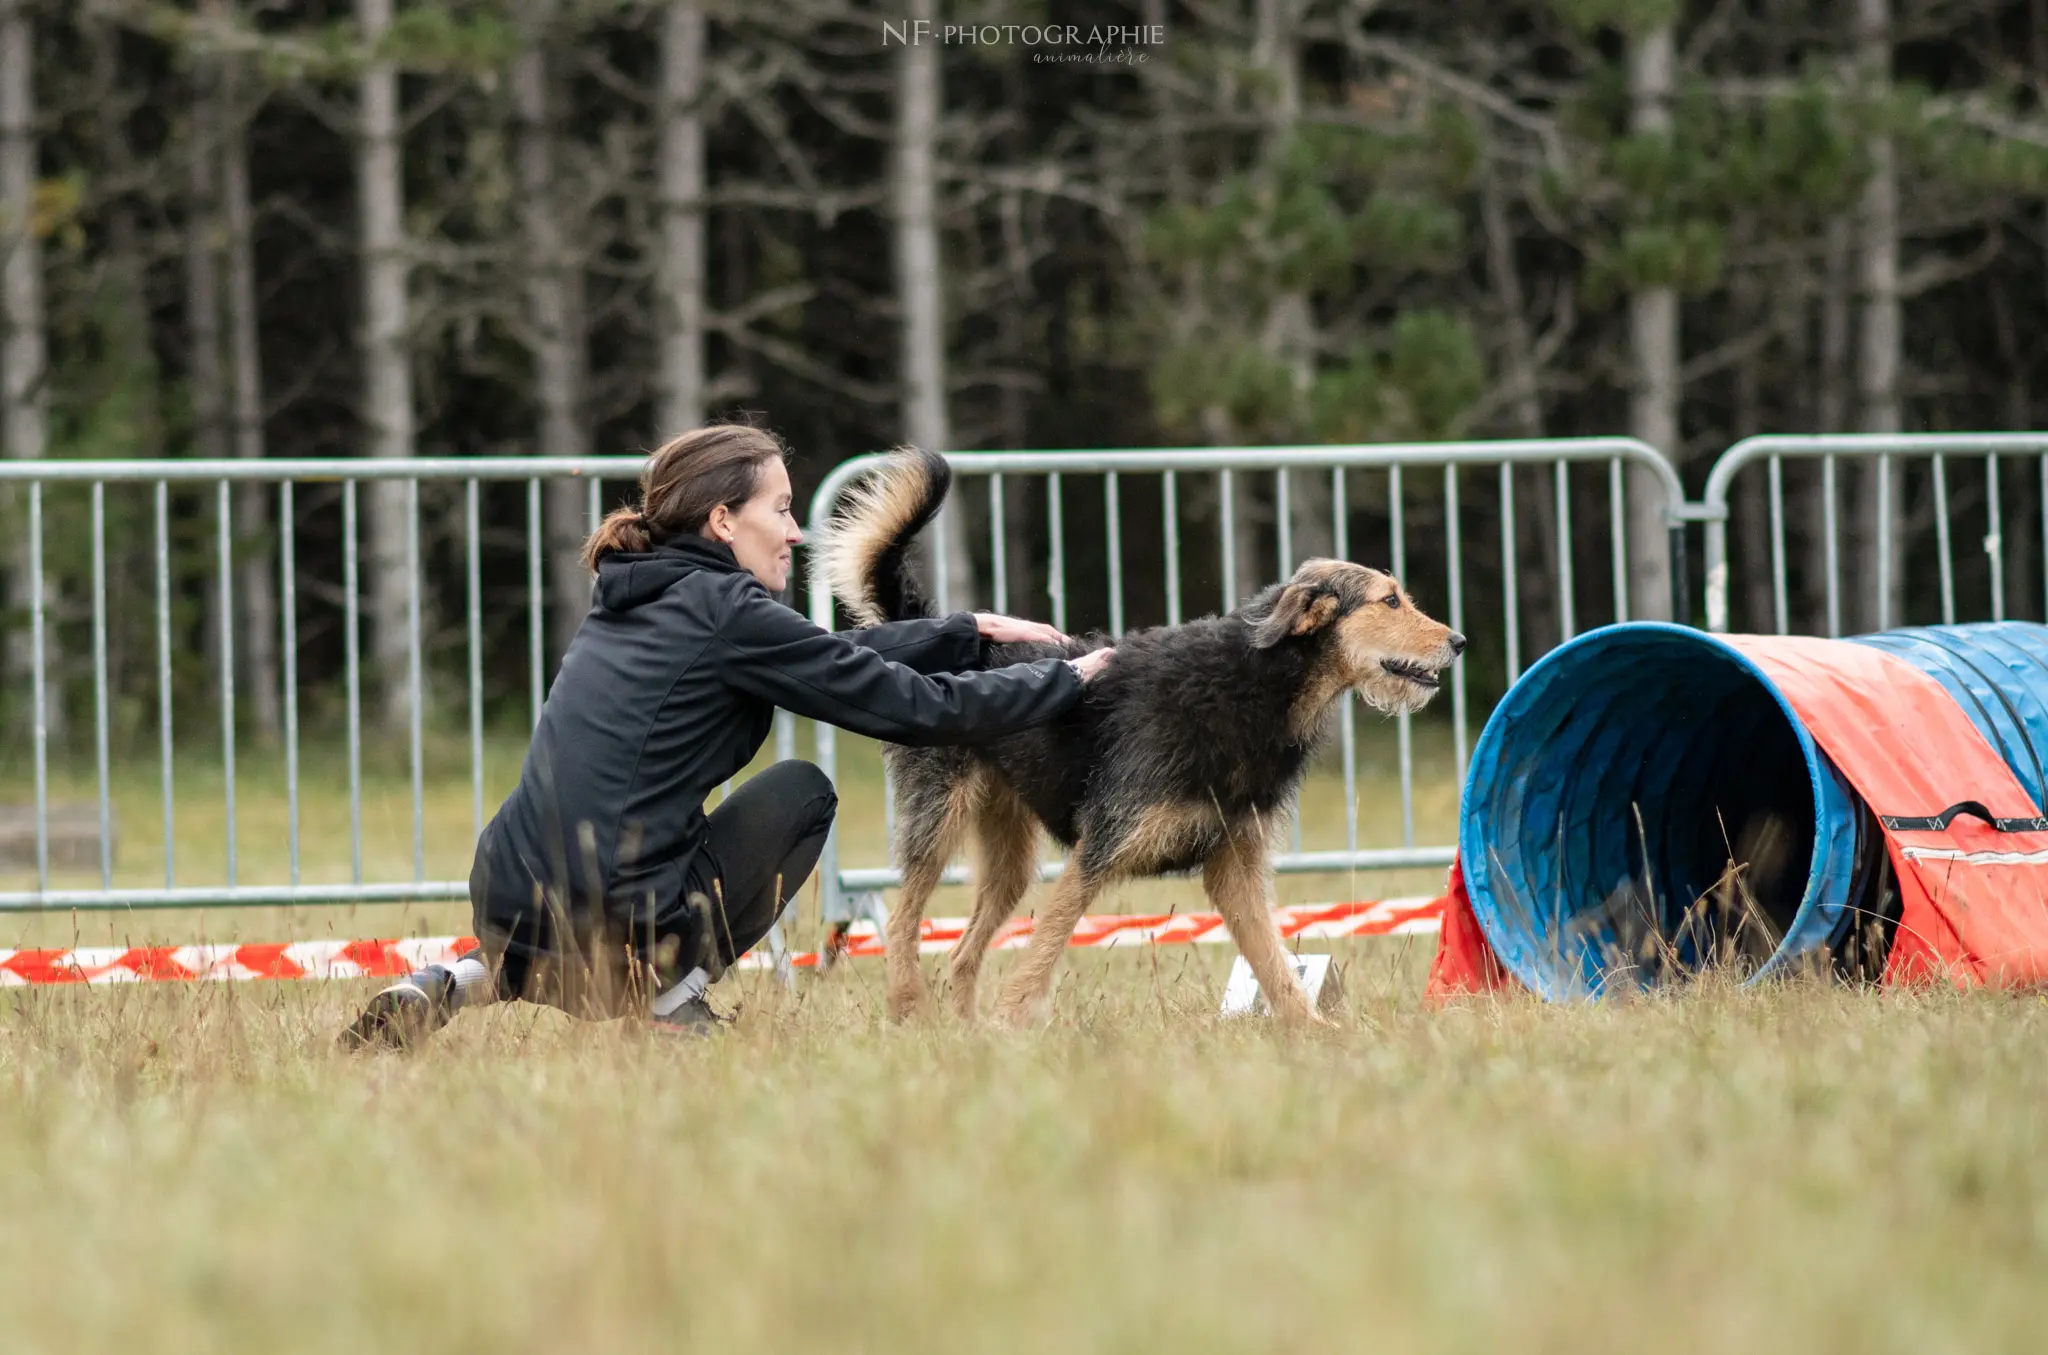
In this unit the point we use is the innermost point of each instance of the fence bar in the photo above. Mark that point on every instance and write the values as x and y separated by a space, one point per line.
1056 568
1510 607
1831 549
472 527
39 685
1454 543
350 588
1941 537
1112 509
99 679
413 678
998 545
224 525
593 509
241 896
1169 507
1566 625
1283 536
1780 608
1884 543
1229 495
1994 537
1617 530
1283 520
1340 543
288 571
163 672
536 668
1404 725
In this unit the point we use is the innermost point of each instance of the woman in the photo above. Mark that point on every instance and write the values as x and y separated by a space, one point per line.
601 886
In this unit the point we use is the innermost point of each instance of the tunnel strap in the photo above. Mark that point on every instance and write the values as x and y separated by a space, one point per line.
1939 823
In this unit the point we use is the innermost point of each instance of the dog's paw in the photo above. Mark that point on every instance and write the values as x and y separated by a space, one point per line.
909 999
1024 1011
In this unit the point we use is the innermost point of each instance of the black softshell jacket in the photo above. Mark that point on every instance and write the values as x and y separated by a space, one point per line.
669 688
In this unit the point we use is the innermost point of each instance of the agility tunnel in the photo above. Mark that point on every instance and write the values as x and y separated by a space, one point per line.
1651 800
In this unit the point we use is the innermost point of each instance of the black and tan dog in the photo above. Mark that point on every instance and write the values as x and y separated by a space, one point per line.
1187 753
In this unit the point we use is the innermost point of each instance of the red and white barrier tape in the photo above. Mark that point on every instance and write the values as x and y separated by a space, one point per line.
385 959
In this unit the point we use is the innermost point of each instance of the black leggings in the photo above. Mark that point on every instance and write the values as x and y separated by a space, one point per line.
762 845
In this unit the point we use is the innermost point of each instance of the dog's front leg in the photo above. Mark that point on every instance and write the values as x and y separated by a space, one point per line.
1237 879
908 992
1025 998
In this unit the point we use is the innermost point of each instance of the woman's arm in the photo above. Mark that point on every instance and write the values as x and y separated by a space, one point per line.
769 651
948 644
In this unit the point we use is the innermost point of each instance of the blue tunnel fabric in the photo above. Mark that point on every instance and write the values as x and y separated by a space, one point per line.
1616 781
1609 791
1998 673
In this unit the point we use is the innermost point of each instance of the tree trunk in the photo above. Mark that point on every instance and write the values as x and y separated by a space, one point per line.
23 359
129 565
920 284
387 368
126 292
1653 342
254 506
1830 415
1879 337
1536 591
1753 517
1290 336
202 310
554 310
681 271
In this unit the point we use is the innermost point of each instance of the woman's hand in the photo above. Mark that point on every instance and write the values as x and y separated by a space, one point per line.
1005 630
1091 663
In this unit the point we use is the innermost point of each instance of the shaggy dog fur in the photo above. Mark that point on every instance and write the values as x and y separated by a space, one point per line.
1186 754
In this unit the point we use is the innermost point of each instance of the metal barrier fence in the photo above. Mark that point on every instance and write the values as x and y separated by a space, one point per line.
37 481
848 892
1416 478
1879 456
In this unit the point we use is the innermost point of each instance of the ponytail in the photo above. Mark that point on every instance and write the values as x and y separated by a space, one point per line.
623 529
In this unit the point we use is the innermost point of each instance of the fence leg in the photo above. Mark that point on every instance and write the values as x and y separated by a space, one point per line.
1681 586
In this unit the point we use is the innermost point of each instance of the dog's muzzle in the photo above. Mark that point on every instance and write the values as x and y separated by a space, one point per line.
1411 672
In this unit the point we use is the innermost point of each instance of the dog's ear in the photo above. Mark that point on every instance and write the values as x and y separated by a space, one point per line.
1300 608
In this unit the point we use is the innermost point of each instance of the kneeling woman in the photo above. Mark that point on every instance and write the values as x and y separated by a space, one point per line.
601 886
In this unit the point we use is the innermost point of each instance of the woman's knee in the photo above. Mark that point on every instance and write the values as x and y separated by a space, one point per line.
803 783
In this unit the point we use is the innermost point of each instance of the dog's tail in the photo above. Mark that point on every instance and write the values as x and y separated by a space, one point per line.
862 555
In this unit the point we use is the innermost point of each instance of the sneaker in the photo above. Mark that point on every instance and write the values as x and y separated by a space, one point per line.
694 1017
403 1014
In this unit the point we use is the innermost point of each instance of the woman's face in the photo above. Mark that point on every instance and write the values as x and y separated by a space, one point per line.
762 531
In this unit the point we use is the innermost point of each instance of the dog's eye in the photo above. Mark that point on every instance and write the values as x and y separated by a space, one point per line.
1393 600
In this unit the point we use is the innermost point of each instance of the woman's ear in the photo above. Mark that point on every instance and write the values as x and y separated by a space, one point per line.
719 525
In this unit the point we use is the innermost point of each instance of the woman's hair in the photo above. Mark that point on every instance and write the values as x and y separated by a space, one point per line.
683 481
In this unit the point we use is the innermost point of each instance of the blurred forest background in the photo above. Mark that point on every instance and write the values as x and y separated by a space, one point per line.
261 228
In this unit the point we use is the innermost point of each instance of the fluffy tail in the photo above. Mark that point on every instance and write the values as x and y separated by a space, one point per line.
863 556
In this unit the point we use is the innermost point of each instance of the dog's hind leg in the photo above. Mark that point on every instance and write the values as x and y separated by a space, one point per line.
1026 993
1007 834
936 792
1238 879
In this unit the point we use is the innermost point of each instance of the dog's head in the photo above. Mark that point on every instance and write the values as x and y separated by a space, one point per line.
1376 641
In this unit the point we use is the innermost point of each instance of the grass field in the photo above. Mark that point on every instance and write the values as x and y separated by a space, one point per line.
1801 1168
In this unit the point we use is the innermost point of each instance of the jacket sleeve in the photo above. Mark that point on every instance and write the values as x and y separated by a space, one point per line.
769 651
950 644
